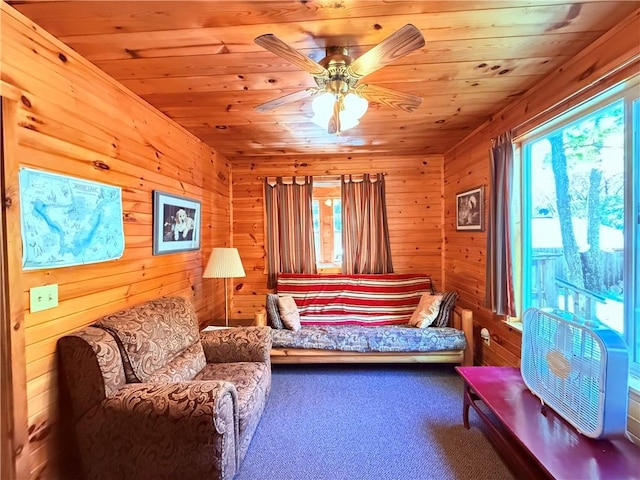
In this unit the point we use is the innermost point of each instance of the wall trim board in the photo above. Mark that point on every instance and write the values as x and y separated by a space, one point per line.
7 467
12 326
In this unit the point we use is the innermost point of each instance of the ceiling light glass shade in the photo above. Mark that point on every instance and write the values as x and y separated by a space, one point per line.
354 107
346 122
322 105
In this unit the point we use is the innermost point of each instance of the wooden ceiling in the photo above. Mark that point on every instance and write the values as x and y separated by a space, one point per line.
197 62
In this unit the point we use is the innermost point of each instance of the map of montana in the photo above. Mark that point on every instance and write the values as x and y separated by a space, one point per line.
68 221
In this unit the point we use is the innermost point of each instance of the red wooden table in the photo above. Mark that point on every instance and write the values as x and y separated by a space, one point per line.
536 444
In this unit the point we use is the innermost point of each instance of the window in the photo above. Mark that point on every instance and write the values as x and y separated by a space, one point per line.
580 219
327 223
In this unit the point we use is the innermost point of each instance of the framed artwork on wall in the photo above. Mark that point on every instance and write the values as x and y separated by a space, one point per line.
176 223
470 209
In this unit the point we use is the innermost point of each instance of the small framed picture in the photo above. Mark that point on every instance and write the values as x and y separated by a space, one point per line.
176 223
470 209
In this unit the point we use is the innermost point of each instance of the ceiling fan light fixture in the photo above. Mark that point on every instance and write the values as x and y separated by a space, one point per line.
338 102
354 107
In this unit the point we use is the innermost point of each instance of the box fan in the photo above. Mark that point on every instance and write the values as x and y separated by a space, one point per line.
578 368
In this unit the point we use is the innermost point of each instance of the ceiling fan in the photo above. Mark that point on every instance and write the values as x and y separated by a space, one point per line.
339 101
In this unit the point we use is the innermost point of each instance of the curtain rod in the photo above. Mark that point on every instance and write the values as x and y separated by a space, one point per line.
320 177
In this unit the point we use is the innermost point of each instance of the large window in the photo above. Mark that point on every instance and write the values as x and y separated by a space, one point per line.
579 217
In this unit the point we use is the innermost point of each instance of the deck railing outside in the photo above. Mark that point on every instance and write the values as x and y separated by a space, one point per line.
549 289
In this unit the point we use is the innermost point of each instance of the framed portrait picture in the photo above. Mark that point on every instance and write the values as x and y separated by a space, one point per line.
176 223
470 209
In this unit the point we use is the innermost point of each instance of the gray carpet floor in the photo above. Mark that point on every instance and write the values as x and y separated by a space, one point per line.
361 422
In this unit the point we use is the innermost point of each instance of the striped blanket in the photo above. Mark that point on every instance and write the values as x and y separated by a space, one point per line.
338 299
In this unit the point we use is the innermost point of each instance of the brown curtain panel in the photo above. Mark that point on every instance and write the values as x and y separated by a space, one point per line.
289 228
365 231
499 276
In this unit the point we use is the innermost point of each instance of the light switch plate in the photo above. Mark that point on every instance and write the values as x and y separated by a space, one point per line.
42 298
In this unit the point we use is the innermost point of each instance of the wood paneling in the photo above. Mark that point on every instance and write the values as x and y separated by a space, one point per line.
64 115
198 63
414 194
467 165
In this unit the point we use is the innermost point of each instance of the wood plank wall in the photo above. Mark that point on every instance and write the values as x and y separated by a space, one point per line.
467 165
64 115
414 206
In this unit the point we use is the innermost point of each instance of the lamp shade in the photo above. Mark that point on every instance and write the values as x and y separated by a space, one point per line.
224 263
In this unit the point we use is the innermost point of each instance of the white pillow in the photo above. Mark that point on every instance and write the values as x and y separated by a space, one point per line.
426 311
289 312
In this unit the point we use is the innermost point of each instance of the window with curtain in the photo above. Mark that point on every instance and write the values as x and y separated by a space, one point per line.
580 218
332 224
289 227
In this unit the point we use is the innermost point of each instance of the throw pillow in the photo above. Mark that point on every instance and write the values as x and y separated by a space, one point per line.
426 311
447 304
273 313
289 312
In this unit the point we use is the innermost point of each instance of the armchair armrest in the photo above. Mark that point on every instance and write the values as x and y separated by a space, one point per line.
246 344
167 430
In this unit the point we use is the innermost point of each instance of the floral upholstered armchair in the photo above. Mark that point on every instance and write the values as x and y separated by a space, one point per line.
151 397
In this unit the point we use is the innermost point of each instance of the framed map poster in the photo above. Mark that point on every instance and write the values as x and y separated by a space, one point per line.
67 221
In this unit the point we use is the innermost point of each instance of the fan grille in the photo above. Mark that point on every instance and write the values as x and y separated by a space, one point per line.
563 364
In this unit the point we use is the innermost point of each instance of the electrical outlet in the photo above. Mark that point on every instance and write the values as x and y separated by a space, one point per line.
486 336
42 298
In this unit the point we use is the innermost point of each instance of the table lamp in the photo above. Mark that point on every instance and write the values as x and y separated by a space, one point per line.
224 263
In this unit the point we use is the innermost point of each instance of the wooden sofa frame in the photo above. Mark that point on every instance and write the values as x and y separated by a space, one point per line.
462 319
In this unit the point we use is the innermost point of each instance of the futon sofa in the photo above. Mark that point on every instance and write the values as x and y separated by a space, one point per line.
365 318
152 397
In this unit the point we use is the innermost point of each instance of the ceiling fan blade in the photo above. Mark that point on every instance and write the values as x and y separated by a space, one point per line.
275 45
291 97
397 45
393 98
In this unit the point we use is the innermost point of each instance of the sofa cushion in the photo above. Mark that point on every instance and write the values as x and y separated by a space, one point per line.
273 312
359 338
180 368
289 312
340 299
446 306
426 311
154 334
